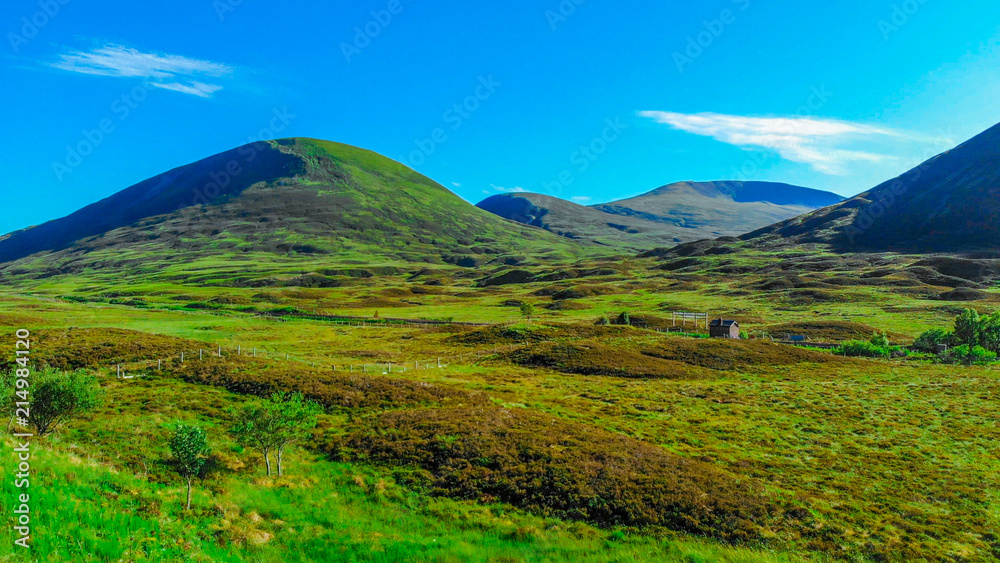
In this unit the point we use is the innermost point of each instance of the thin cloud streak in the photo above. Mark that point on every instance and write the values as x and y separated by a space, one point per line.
169 72
816 142
514 190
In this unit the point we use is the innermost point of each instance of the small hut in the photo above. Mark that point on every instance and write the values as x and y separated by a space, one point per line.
721 328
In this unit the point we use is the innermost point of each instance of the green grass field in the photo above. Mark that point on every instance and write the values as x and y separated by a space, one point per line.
553 438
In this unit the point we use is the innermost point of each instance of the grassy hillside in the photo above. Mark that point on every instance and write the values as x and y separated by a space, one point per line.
297 206
95 504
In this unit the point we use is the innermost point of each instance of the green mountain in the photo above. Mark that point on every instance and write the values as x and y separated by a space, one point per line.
675 213
949 203
287 201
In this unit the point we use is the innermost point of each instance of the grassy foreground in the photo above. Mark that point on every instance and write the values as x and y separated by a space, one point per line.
554 438
95 501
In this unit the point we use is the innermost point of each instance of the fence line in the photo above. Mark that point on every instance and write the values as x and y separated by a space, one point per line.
438 362
373 322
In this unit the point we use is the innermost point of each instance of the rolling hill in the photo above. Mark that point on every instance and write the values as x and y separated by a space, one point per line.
278 200
951 203
675 213
578 222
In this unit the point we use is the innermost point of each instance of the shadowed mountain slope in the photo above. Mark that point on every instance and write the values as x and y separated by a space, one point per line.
949 203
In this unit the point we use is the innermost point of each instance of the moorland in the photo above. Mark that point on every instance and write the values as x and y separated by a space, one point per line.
492 391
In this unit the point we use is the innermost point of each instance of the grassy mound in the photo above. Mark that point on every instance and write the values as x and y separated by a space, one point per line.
963 294
76 348
723 354
828 331
593 358
562 469
520 334
333 390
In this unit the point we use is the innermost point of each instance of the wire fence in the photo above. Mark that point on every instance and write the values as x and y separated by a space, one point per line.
142 369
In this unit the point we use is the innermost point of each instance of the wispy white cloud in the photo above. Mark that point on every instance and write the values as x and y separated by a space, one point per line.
195 88
514 190
582 199
824 144
170 72
456 184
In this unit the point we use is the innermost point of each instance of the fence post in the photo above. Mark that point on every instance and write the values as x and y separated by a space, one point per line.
182 357
158 364
119 375
255 352
239 349
220 351
200 354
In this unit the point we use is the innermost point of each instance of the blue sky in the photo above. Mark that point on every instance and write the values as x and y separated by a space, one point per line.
584 99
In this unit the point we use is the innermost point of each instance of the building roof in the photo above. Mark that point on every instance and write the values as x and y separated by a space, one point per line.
724 323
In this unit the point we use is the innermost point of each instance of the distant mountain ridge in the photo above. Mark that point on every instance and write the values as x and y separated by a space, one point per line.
671 214
948 203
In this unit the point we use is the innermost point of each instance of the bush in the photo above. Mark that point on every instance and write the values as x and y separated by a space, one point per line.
879 340
931 339
862 349
57 398
974 355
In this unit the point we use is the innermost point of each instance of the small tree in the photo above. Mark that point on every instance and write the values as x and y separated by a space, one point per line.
967 328
189 450
989 332
527 310
254 427
57 398
275 423
296 417
624 319
879 339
